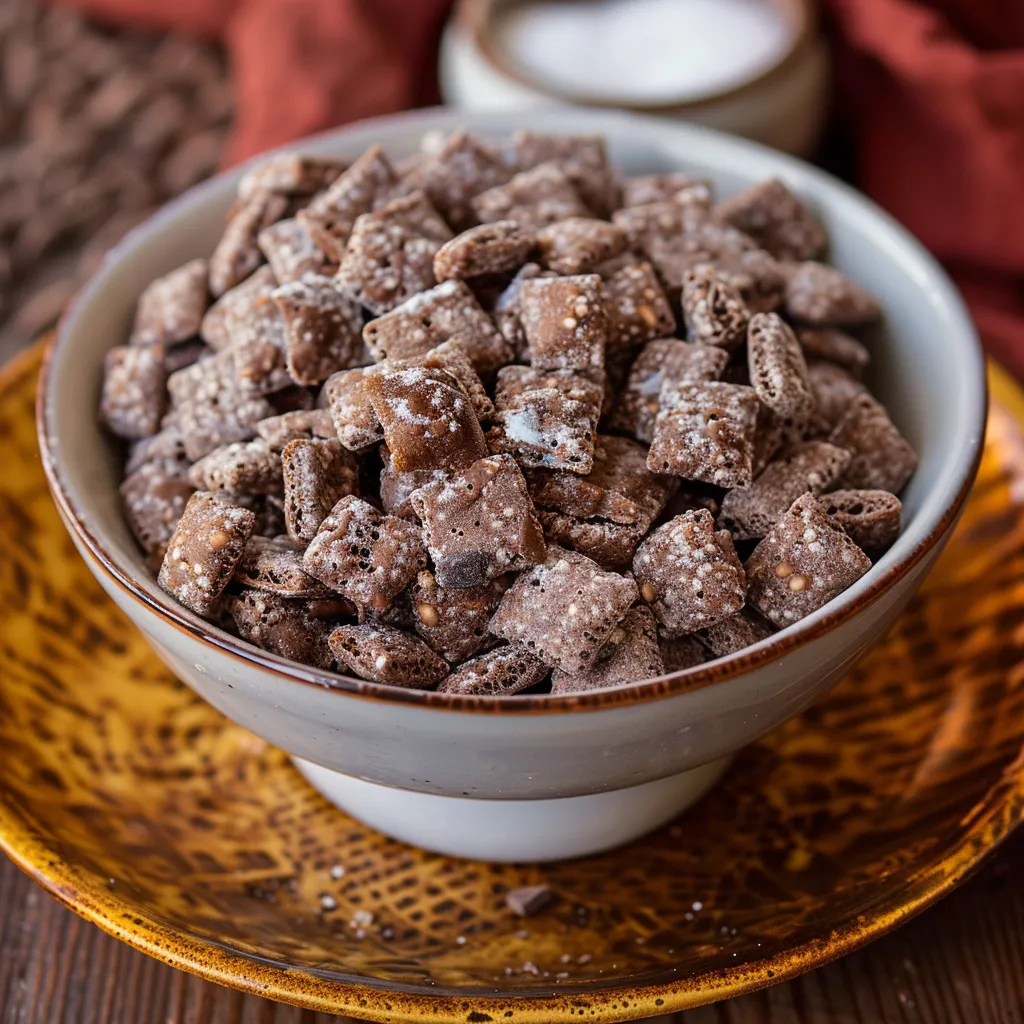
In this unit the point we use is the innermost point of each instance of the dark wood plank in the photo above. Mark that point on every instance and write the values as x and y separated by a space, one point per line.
960 963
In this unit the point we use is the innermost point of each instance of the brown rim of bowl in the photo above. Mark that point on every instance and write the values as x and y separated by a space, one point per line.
688 680
480 18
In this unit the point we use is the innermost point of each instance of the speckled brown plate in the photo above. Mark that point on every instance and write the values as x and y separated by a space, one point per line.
144 810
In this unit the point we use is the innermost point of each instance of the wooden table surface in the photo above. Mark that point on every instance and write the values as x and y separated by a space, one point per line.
962 962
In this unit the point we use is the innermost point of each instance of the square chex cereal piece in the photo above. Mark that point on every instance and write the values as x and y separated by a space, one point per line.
153 497
317 475
507 312
387 655
453 620
834 346
714 311
804 561
705 432
171 309
776 219
298 424
206 547
274 565
578 244
564 609
583 158
497 248
480 524
533 199
727 636
502 672
244 467
351 410
635 305
367 556
237 254
656 188
689 573
565 322
134 399
871 518
611 545
778 372
290 174
282 626
882 458
290 251
823 297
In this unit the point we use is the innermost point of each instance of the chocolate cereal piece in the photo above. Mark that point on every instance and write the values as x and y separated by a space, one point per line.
390 254
656 188
804 561
583 158
689 573
514 381
638 403
453 620
386 655
291 251
397 488
714 311
507 310
705 432
303 424
497 248
290 174
679 653
629 655
564 609
228 316
428 420
317 475
502 672
565 322
834 346
611 545
447 313
776 219
480 524
351 410
882 458
283 627
274 565
822 296
635 305
778 371
748 512
134 399
171 308
153 497
529 900
202 554
245 467
533 199
758 277
870 518
834 389
166 449
728 636
258 337
578 244
450 356
324 328
367 556
237 253
619 488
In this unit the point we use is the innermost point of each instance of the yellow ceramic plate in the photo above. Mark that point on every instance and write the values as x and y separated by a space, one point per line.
144 810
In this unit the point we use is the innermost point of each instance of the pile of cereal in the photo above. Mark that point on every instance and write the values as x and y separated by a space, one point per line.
492 419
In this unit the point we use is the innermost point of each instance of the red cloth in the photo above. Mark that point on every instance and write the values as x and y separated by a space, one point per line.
934 90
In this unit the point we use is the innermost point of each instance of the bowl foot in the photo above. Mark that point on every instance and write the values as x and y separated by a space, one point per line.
525 831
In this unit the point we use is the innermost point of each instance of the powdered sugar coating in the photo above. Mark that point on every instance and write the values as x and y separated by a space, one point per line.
397 488
304 424
134 390
496 248
153 497
727 636
291 251
290 174
351 410
502 672
689 573
564 609
317 475
611 545
882 458
507 310
564 321
871 518
771 214
282 626
824 297
713 310
643 189
237 253
171 309
533 199
583 159
387 655
579 244
453 620
231 312
778 371
635 305
244 467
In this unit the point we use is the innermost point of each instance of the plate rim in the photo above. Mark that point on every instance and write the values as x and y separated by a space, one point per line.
80 891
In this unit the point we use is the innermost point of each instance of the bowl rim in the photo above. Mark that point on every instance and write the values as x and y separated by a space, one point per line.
837 612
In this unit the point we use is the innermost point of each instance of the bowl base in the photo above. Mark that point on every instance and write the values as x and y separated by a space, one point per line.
514 831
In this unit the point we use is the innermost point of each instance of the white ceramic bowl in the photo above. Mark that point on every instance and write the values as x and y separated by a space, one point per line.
533 778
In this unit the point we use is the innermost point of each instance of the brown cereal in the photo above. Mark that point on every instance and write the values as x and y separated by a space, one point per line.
834 389
277 431
514 381
274 565
269 512
291 251
629 655
882 458
396 488
714 312
871 518
290 174
635 304
331 215
428 420
565 322
689 573
171 308
244 467
756 275
578 244
533 199
230 313
804 561
447 313
184 354
638 403
778 372
727 636
237 253
351 410
283 627
202 554
507 311
611 545
564 609
822 296
663 220
748 512
678 653
705 432
390 253
165 449
834 346
657 188
367 556
620 487
776 219
480 524
317 475
583 158
386 655
134 396
499 673
497 248
324 328
453 620
153 496
450 356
